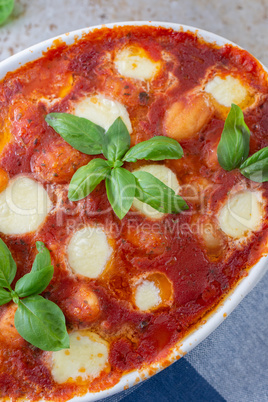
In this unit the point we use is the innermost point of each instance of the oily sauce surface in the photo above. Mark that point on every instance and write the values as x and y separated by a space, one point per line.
171 246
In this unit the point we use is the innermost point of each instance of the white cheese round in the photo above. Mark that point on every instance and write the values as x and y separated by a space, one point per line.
226 90
147 295
165 175
87 357
24 205
89 251
102 111
135 62
241 214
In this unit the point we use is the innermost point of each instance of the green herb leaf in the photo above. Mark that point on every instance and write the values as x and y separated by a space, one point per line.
233 147
8 266
6 7
87 178
116 141
80 133
39 277
255 167
38 320
42 259
41 323
35 282
155 149
121 188
5 296
156 194
121 185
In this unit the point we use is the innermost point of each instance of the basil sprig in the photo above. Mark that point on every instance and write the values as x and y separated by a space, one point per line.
80 133
121 188
8 266
121 185
155 149
255 167
87 178
116 141
38 320
233 149
6 7
155 193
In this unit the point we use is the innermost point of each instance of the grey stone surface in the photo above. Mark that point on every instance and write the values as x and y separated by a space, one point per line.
245 22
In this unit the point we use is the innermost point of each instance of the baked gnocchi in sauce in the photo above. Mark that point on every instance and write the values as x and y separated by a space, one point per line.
130 289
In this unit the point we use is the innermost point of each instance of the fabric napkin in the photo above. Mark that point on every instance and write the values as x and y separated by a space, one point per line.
230 365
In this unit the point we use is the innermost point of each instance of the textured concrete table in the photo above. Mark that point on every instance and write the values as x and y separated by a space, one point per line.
245 22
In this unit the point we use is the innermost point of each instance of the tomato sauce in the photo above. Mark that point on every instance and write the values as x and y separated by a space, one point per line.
170 246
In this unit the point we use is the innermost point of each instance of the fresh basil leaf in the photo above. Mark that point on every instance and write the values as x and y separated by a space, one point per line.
41 323
80 133
121 188
233 147
156 194
87 178
155 149
42 259
6 7
8 266
255 167
116 164
116 141
35 282
5 296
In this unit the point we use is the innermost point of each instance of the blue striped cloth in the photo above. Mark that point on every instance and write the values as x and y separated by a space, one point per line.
230 365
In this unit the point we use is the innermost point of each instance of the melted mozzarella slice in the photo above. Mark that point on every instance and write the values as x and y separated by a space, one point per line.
102 111
147 295
89 251
135 62
24 205
87 357
242 213
227 90
165 175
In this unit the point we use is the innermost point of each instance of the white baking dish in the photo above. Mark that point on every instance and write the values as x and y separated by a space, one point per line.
244 286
